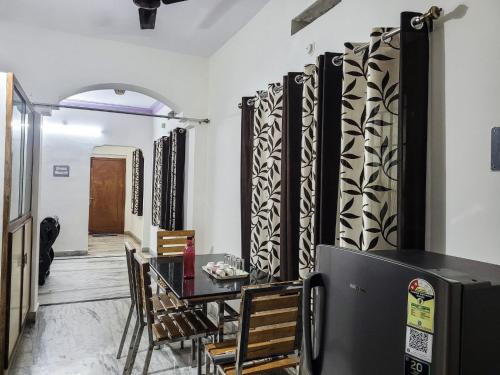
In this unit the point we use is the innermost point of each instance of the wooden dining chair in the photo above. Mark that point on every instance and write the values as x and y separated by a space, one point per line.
164 327
172 242
270 332
129 255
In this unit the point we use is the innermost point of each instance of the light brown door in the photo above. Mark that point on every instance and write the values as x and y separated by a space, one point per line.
107 195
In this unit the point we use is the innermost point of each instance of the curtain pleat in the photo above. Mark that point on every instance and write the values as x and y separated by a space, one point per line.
308 168
412 153
247 123
290 181
168 180
137 182
157 182
368 171
266 182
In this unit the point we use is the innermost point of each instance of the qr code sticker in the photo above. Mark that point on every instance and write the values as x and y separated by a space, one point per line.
419 344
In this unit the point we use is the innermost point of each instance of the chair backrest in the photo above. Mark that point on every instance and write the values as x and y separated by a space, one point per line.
172 242
270 318
129 255
143 288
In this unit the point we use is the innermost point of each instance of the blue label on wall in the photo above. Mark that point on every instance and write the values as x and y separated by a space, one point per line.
415 366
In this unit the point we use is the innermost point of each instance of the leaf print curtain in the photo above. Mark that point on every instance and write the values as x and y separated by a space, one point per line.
321 110
266 182
137 182
368 171
157 182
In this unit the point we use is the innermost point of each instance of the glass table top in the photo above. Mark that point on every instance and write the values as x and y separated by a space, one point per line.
170 270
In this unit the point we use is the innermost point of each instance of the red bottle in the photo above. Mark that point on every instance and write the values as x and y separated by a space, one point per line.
189 259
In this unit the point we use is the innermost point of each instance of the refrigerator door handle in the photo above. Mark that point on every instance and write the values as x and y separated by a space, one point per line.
313 280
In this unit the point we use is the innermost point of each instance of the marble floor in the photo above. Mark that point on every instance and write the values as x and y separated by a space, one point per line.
82 339
74 279
109 245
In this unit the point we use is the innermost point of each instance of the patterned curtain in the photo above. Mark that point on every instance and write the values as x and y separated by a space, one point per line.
168 180
137 182
157 181
266 181
368 171
321 111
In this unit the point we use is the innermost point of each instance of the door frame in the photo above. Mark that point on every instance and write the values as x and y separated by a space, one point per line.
124 195
5 271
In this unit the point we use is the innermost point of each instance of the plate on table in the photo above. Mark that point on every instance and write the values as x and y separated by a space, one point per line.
240 274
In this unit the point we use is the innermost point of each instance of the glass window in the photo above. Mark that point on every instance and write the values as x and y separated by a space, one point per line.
22 156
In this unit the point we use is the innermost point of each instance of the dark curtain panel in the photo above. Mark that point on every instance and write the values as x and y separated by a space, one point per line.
137 182
247 114
173 180
290 180
329 133
412 153
165 182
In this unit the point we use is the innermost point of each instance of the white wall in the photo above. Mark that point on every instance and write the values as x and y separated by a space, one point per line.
134 224
54 65
68 198
464 203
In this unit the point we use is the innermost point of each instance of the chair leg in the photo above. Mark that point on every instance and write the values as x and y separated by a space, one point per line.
198 355
125 331
207 364
193 353
148 360
131 346
135 350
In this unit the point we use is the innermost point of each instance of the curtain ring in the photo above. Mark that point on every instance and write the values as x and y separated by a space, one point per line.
337 60
240 105
417 23
299 79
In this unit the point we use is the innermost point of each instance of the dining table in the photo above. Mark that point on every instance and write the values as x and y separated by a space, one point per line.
204 288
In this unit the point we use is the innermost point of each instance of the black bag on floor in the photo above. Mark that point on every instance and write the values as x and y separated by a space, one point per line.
49 230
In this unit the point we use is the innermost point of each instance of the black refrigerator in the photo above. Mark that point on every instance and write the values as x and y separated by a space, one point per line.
400 312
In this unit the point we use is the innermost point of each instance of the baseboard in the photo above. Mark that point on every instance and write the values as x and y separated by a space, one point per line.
129 233
70 253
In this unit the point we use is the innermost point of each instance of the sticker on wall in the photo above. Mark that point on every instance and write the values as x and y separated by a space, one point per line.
421 305
419 344
415 366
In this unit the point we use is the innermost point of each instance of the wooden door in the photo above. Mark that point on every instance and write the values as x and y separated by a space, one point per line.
107 195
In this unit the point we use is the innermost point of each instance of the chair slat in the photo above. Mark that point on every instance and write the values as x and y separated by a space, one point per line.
209 325
175 233
172 241
274 303
172 329
272 332
271 348
183 325
264 367
171 249
273 317
160 332
166 302
195 323
157 305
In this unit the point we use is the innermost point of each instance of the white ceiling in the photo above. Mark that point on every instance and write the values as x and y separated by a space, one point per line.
197 27
130 98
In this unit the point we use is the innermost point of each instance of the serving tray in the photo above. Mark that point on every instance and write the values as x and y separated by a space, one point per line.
240 276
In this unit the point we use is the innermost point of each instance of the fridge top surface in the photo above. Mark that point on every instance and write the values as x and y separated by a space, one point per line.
446 266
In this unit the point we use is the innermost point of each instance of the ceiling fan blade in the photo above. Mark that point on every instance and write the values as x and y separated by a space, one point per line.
166 2
147 17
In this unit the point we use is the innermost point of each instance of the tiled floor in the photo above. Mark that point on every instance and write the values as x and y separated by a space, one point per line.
109 245
82 338
74 279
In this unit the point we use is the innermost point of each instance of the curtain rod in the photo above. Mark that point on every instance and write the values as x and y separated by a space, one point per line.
167 117
417 22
